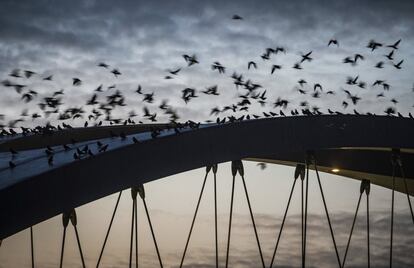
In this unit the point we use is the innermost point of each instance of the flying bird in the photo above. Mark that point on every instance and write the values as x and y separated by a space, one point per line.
116 72
275 67
333 41
76 81
250 64
174 72
398 65
395 45
306 57
102 64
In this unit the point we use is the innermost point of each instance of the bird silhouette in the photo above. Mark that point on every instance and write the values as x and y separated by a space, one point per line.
28 73
275 67
76 81
297 66
102 64
174 72
390 55
306 57
398 65
251 64
373 45
379 65
334 42
191 60
395 45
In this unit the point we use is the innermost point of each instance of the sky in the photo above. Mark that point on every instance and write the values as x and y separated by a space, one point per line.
145 39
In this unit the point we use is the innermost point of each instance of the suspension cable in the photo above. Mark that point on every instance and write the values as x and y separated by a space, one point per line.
79 246
215 212
302 216
327 213
253 222
31 245
136 233
63 247
306 214
142 194
367 190
399 162
109 229
74 221
230 219
195 215
392 208
132 235
65 222
283 223
352 229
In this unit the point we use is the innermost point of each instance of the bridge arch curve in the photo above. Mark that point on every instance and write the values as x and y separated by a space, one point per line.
360 145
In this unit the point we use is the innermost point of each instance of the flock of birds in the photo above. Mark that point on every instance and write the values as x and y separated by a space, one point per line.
104 100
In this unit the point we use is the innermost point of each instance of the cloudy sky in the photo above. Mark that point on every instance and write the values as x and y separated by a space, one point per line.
145 39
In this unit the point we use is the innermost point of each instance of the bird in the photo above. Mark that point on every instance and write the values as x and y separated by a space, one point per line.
317 86
148 97
211 91
58 92
139 90
237 17
358 56
306 57
395 45
297 66
28 73
390 55
48 78
116 72
99 88
262 165
76 81
316 94
333 41
274 67
380 65
217 66
250 64
390 111
301 91
302 82
378 82
398 65
104 65
92 100
215 111
373 45
15 73
191 60
174 72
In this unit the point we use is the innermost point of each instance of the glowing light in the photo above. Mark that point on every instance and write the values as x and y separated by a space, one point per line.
335 170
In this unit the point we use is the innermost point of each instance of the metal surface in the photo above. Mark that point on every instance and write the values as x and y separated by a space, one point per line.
45 195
